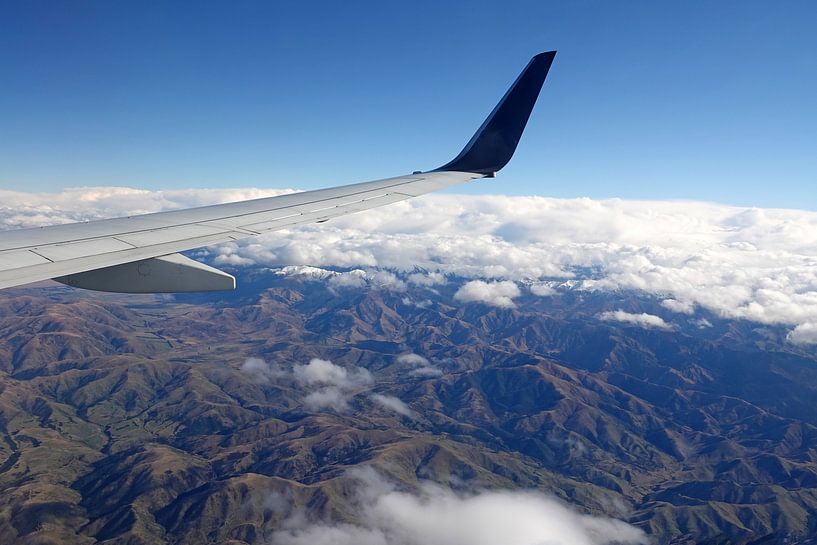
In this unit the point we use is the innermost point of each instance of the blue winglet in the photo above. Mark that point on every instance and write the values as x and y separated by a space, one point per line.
492 146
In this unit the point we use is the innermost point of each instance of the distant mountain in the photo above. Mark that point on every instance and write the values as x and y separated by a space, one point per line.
157 419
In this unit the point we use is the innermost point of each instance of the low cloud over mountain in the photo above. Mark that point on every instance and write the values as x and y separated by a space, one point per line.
640 320
497 294
127 419
756 264
437 516
327 386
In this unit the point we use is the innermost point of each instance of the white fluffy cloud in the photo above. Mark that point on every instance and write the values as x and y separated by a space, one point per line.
325 373
328 397
497 294
336 385
328 386
331 386
755 264
264 372
803 334
437 516
682 307
542 290
648 321
19 210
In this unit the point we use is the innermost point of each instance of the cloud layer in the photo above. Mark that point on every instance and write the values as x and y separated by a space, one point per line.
756 264
437 516
20 210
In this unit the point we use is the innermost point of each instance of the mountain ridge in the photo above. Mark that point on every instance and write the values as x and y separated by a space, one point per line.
161 436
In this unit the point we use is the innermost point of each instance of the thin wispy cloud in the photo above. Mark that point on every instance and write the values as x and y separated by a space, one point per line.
392 403
420 366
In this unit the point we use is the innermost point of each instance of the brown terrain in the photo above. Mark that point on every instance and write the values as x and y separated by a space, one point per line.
129 419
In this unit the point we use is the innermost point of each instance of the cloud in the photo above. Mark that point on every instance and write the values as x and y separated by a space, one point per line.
332 386
702 323
803 334
412 359
336 384
263 371
325 373
393 404
329 386
681 307
355 279
424 303
422 367
427 371
387 280
434 515
647 321
542 290
426 279
19 209
497 294
329 397
743 263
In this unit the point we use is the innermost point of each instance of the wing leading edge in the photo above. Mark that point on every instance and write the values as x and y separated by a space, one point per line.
114 254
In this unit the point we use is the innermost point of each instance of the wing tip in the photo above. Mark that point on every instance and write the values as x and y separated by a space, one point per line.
494 143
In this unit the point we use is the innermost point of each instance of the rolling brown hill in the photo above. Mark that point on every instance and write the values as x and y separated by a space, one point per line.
134 420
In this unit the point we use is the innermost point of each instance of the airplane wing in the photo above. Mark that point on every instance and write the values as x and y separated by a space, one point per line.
139 254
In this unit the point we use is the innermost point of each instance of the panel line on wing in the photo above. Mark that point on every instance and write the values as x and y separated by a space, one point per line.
20 258
34 251
125 242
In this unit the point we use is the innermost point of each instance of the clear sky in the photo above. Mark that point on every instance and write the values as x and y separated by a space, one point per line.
650 100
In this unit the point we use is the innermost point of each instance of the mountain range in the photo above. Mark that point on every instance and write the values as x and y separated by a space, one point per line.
222 418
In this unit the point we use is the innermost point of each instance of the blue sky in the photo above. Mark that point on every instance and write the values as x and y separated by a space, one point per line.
649 100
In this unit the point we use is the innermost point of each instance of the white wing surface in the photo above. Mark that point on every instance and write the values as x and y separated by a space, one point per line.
137 254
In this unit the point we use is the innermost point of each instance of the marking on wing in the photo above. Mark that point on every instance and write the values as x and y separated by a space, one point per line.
73 250
169 234
267 225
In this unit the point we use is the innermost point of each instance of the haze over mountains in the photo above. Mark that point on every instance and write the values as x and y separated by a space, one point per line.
572 371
